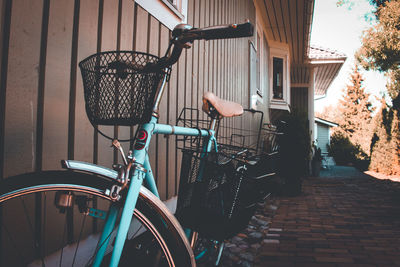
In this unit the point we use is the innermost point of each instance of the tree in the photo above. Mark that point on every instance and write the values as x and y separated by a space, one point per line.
380 51
356 110
385 152
380 48
330 113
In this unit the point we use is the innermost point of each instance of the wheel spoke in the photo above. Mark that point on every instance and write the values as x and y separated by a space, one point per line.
35 244
79 239
62 241
97 249
149 240
43 227
13 244
28 219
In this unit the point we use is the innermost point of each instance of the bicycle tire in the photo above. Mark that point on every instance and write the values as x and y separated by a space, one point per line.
208 252
159 237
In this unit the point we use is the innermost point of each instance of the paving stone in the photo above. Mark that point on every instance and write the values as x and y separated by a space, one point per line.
243 247
273 235
255 236
237 239
229 245
271 241
245 264
338 222
275 229
241 235
247 256
273 207
235 250
335 222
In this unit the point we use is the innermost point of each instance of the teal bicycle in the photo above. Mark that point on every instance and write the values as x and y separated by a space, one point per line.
90 215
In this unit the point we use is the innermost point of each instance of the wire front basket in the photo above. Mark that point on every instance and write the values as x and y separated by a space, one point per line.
118 89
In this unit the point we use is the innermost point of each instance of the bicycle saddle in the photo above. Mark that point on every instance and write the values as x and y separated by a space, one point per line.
223 107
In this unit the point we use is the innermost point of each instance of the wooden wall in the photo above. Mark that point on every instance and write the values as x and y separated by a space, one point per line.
299 98
42 117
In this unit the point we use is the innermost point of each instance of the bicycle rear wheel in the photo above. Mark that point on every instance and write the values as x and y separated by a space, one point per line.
208 252
55 218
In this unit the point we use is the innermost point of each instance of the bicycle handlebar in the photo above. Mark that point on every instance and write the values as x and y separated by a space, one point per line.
184 34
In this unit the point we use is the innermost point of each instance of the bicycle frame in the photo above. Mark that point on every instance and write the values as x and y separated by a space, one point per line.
143 172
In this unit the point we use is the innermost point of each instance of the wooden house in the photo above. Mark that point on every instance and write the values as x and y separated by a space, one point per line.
42 113
323 132
42 109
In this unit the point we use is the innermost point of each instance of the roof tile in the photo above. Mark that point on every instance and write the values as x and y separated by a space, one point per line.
318 52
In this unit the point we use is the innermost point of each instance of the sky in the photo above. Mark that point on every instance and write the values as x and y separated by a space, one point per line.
340 28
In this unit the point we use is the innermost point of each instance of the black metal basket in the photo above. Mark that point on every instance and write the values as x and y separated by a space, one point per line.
269 134
192 118
212 195
118 90
242 131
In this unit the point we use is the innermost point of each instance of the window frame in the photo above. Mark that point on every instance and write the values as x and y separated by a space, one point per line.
259 93
167 13
279 51
175 7
276 80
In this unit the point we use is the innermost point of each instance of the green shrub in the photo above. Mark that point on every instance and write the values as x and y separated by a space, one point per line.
295 149
341 149
385 146
346 153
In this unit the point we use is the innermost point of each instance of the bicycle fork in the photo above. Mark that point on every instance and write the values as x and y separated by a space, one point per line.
124 224
139 160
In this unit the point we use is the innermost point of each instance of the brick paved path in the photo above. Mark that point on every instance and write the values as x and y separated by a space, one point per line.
336 222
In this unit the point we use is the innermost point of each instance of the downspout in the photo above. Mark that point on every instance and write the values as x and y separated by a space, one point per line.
311 93
320 97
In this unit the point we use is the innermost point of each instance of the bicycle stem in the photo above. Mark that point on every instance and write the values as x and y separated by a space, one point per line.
159 94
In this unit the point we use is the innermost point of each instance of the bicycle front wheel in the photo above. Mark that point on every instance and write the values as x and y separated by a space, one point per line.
55 218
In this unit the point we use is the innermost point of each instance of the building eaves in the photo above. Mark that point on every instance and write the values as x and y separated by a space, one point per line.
319 53
325 122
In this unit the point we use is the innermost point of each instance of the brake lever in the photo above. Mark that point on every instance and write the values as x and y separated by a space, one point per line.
118 146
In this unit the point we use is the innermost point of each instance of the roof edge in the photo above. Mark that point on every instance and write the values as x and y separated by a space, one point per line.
329 123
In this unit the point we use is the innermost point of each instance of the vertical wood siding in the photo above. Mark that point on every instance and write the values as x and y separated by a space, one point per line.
5 20
42 113
323 137
299 98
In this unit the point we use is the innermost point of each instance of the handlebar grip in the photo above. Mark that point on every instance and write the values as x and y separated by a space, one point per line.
223 31
184 34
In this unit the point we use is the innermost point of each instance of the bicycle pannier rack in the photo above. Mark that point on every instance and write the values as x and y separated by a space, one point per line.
211 197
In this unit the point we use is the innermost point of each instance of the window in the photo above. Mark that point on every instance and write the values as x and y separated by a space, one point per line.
277 82
168 12
279 79
265 69
175 6
258 69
